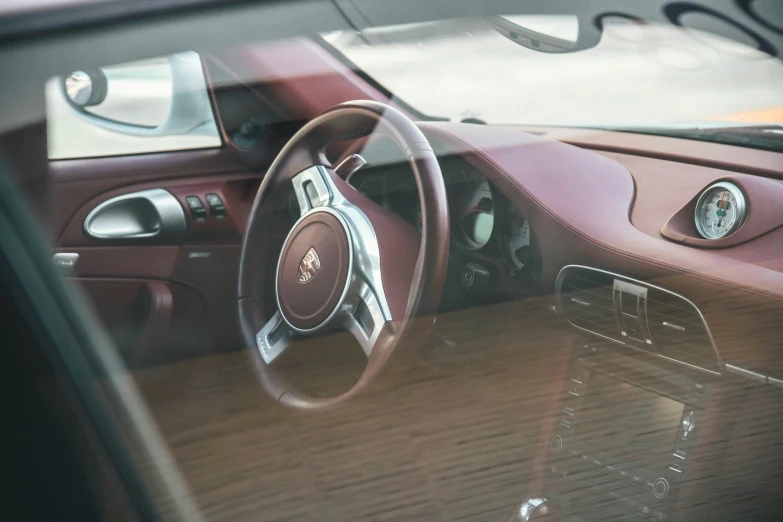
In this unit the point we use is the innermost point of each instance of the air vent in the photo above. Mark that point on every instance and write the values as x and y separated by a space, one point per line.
586 301
631 312
678 330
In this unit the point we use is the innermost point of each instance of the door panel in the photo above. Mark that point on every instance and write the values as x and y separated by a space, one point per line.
205 259
236 191
159 298
155 262
75 182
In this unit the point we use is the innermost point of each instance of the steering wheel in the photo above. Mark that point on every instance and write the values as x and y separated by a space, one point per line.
347 263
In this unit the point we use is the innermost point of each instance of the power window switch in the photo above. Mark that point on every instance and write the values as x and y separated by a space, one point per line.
216 206
196 207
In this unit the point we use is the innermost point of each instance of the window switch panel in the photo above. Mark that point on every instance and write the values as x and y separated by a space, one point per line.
196 207
216 206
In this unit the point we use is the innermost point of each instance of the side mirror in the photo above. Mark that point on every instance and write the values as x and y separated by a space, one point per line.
152 98
562 33
85 88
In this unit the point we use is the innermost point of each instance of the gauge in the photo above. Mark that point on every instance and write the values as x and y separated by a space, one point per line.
477 214
720 210
519 246
518 240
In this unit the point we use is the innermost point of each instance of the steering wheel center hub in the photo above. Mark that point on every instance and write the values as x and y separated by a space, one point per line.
313 270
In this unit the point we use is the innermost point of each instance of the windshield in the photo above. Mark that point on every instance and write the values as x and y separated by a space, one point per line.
644 76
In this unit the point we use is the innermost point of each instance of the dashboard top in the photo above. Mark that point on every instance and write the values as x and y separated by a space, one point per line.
595 209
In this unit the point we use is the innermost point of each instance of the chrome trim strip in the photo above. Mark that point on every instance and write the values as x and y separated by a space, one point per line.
173 223
756 377
674 326
559 309
748 374
270 351
528 509
350 165
65 262
774 381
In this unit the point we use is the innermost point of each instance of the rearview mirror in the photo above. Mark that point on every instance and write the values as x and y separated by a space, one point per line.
159 97
562 33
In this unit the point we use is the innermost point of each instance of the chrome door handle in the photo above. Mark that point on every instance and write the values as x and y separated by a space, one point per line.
153 213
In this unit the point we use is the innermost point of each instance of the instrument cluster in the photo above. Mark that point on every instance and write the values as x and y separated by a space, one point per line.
488 231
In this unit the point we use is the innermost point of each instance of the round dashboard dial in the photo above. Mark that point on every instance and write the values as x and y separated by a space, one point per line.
720 210
477 214
518 240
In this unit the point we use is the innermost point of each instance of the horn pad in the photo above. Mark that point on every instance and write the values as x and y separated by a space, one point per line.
313 270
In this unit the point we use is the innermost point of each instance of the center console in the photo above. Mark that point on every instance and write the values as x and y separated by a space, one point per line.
623 437
628 421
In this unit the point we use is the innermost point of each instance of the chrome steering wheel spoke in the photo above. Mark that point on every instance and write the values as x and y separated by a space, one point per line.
312 189
363 316
273 339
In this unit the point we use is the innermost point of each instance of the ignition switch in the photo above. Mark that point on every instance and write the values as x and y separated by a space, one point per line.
475 278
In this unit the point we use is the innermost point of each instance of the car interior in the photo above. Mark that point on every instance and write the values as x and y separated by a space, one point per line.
343 308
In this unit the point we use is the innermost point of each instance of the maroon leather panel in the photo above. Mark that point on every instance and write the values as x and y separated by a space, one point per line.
716 155
235 190
578 204
118 261
211 270
664 187
150 321
157 320
114 295
765 199
398 243
74 182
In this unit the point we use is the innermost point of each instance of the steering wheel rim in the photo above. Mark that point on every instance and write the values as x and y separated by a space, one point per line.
383 273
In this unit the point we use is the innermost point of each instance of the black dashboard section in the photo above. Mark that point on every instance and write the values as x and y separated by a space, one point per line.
251 128
641 316
494 257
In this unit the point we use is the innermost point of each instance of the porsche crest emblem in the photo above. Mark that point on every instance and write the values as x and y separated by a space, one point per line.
309 265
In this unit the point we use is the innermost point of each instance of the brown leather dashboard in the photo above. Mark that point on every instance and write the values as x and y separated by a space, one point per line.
603 210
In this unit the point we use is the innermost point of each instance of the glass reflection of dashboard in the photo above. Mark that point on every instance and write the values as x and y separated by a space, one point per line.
491 239
626 424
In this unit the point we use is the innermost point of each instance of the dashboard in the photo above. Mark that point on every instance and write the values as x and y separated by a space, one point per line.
523 206
494 255
670 277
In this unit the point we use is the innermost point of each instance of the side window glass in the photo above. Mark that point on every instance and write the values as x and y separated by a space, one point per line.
138 107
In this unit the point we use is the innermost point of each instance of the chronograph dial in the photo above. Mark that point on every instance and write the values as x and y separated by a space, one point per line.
720 210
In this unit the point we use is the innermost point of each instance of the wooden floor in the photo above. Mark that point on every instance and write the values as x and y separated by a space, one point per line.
449 438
